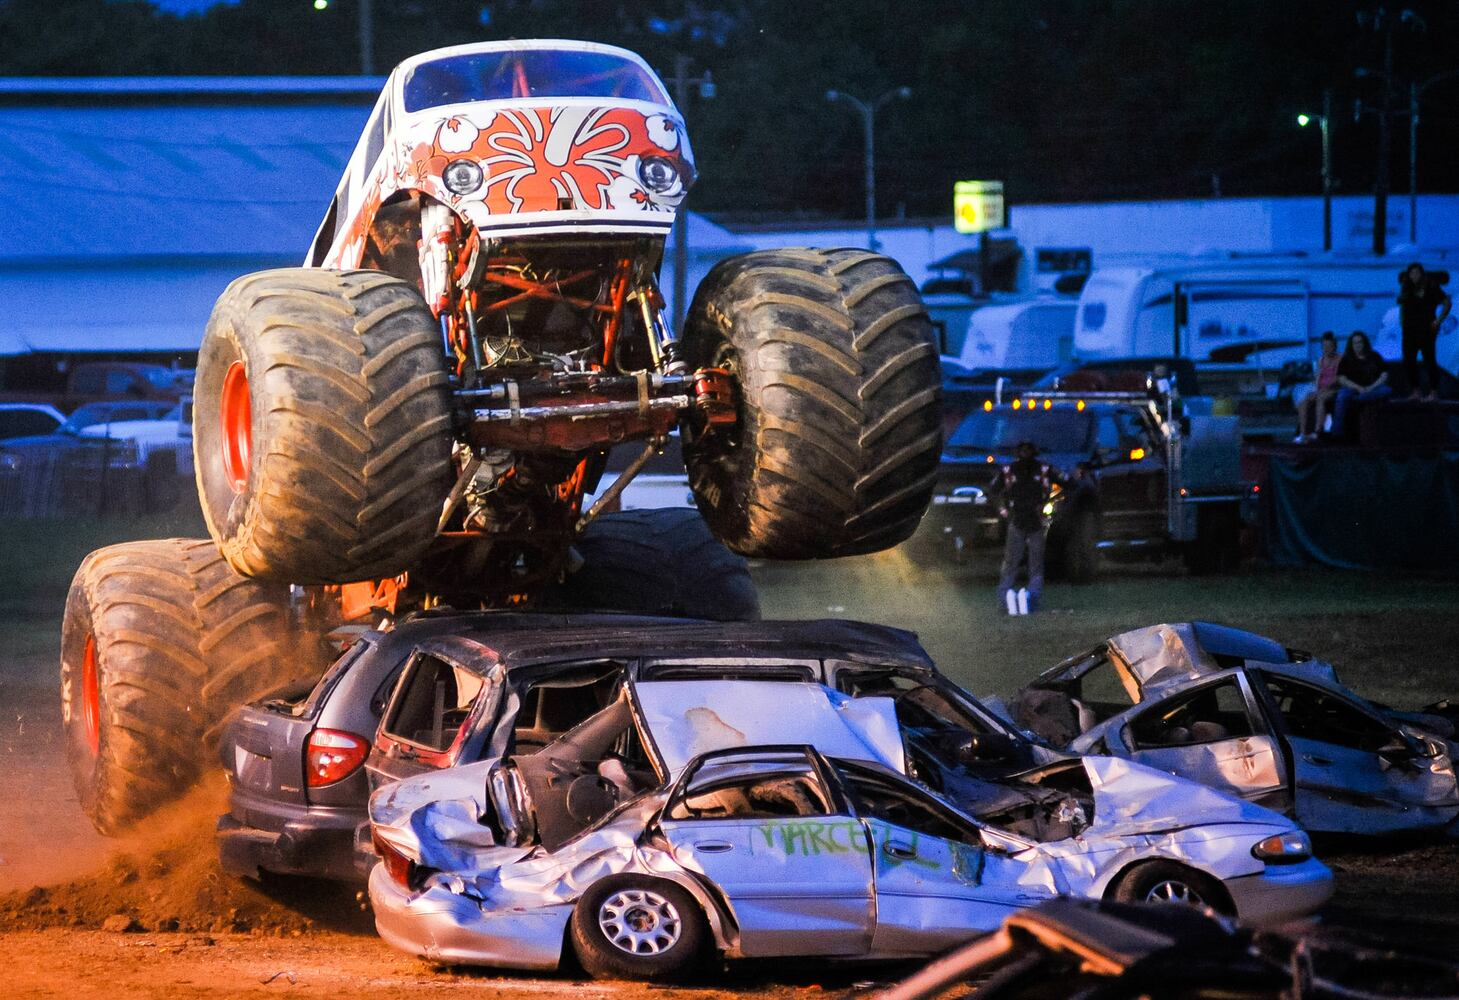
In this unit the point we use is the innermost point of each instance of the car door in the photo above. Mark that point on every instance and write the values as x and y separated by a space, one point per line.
936 884
1215 734
1354 771
770 831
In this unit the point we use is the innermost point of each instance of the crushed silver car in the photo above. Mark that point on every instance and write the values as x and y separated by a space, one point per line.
1244 714
751 819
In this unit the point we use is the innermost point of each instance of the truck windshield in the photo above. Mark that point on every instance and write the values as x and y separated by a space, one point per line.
513 75
1001 430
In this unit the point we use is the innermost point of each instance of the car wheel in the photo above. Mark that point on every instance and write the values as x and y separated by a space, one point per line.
836 448
1169 882
638 927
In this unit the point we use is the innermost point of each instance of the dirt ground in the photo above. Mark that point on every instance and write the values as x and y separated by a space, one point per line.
196 933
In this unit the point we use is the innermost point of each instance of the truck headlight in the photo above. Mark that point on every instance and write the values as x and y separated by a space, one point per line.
462 176
658 174
1284 848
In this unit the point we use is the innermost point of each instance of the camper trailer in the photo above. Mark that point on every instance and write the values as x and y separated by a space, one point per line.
1028 337
1254 313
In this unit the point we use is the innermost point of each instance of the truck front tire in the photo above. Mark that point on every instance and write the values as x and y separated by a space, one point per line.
839 433
322 425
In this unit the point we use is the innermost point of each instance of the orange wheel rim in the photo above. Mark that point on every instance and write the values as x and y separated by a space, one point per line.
237 423
91 697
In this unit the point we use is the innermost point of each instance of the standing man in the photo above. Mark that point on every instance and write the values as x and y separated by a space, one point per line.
1024 488
1419 298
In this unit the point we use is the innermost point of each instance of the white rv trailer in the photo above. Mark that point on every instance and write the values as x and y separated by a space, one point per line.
1032 335
1251 312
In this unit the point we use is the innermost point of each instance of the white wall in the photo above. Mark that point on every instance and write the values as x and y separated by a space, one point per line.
1253 225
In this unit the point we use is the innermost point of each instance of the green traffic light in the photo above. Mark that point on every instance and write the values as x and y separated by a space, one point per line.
1302 120
320 4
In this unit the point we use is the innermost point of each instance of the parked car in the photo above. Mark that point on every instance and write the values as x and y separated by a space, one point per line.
111 381
1242 713
512 682
755 819
28 420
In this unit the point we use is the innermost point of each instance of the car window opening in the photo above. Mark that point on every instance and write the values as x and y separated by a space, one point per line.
553 706
434 704
1209 715
758 790
1313 714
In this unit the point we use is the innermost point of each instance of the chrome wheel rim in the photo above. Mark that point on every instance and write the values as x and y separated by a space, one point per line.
640 922
1171 891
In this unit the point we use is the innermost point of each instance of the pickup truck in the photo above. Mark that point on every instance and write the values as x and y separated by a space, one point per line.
109 381
1140 479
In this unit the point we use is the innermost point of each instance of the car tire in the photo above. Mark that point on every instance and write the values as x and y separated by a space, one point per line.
322 432
839 433
1080 561
659 562
638 927
1171 882
159 642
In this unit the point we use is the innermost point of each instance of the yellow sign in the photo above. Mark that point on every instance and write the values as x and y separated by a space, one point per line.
977 206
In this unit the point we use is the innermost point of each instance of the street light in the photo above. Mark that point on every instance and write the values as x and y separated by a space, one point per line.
868 120
1323 121
1415 93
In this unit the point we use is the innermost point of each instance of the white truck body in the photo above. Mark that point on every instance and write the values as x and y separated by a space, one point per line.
1258 313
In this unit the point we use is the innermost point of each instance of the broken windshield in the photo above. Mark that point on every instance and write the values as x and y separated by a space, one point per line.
526 73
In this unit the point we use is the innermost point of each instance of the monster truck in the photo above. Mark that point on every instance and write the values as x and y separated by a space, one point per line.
414 415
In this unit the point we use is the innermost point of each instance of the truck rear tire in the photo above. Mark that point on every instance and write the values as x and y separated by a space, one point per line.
659 562
1079 559
839 432
1217 546
323 426
160 641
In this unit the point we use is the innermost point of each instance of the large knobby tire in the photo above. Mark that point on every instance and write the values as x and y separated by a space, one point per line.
1172 882
322 431
659 562
160 641
836 449
638 927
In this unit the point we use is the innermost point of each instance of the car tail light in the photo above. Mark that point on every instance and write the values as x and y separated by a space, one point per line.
332 755
400 868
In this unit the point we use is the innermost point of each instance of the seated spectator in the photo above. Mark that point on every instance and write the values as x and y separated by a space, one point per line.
1362 377
1313 407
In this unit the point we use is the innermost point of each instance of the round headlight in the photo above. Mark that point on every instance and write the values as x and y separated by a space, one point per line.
658 174
462 176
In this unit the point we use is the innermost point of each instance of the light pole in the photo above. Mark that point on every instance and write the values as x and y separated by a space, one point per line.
868 121
682 83
1324 122
1415 94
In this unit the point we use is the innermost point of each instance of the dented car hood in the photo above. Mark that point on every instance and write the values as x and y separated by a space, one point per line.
1130 798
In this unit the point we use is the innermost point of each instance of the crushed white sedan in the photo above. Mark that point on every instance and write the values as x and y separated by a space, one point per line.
1242 713
747 819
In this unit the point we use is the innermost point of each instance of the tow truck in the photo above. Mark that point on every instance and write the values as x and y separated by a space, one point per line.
1143 477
